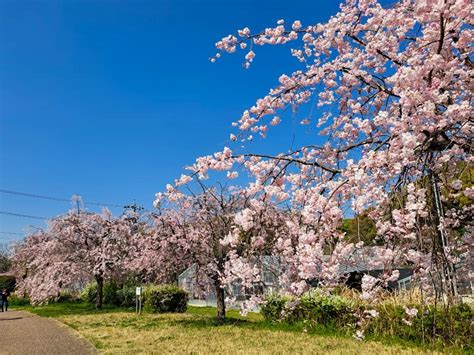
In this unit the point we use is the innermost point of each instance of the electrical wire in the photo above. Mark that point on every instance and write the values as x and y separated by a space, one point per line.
5 191
21 215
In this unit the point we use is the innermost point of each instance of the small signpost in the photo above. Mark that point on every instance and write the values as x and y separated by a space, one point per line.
138 300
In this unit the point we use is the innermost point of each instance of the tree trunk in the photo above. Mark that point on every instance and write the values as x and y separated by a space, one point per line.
448 270
220 303
100 291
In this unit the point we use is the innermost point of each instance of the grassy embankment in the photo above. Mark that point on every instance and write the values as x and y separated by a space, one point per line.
115 330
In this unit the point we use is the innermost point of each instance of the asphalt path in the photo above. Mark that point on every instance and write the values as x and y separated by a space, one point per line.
26 333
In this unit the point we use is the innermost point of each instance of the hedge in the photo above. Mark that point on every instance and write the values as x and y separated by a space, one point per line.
165 298
113 294
318 308
17 301
156 299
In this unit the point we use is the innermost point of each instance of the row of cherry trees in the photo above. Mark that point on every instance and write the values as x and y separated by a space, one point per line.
74 249
200 230
393 91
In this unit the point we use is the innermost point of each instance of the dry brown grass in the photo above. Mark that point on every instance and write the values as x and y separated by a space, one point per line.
384 297
195 332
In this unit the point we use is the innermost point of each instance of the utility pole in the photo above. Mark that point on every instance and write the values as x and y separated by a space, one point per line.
78 200
136 209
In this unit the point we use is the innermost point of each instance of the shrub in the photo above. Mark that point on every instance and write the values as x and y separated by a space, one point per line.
323 309
315 307
127 296
165 298
89 293
15 300
110 294
273 306
7 282
114 295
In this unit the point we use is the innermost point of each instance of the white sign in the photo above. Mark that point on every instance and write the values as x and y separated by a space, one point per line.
138 291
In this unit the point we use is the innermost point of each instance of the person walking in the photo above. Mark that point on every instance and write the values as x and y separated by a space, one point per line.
4 300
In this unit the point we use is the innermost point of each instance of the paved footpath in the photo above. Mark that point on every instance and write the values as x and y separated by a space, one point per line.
26 333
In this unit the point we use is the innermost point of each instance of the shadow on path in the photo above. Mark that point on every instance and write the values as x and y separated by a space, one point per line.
1 319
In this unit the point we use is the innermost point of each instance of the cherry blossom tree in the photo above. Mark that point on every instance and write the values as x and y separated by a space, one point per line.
392 92
156 255
204 221
202 230
75 248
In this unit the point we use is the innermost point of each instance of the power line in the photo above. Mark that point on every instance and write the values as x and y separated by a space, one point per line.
34 196
103 204
21 215
55 198
12 233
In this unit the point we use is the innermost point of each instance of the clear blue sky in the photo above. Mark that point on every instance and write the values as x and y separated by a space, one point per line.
111 99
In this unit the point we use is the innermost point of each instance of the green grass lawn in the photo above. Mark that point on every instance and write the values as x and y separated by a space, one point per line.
114 330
